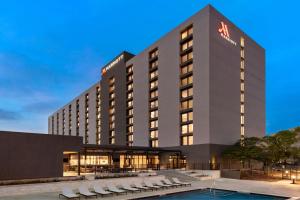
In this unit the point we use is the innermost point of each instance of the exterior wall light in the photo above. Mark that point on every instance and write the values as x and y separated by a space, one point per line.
293 179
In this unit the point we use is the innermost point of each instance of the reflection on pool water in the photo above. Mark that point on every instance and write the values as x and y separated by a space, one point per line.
216 195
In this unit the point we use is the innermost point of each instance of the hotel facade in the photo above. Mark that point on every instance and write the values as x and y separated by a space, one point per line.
181 101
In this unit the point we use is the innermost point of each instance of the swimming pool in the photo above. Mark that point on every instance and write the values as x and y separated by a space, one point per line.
216 195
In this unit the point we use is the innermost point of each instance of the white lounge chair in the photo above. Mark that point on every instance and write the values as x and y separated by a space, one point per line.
114 189
176 180
126 186
150 185
159 183
84 191
167 181
68 193
99 190
140 186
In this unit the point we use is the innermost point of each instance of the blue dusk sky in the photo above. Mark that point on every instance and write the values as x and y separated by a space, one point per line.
51 51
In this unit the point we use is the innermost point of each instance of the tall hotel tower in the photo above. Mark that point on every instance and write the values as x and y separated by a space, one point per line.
198 89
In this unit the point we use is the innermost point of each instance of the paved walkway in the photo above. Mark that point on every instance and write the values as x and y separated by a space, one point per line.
37 191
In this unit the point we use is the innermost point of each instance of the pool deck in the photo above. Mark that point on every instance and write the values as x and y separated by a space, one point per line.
50 191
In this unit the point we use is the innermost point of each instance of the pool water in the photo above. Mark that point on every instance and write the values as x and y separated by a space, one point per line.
216 195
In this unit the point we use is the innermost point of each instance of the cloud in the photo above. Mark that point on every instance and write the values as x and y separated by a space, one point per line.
7 115
41 107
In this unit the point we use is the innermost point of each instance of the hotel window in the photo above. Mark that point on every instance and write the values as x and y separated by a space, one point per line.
112 95
153 84
130 86
154 114
186 104
187 80
130 112
186 117
57 123
153 74
186 57
186 45
154 104
130 129
129 77
242 89
77 117
153 54
187 32
186 69
111 89
154 134
129 95
130 103
64 122
187 93
186 86
153 64
186 129
70 119
187 140
153 94
130 120
129 106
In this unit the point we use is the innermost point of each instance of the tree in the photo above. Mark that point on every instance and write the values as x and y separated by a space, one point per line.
245 152
278 148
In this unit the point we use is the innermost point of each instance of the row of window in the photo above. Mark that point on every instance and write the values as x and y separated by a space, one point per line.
186 87
242 89
86 133
98 129
98 116
129 112
153 101
111 122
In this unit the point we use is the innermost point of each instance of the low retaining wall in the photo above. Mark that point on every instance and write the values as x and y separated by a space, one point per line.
234 174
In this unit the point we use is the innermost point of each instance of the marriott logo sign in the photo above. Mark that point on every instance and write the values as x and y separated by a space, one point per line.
223 30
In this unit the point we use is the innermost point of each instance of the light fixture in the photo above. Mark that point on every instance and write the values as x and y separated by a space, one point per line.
293 179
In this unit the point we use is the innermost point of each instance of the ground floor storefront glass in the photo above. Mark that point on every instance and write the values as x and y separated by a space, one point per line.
96 160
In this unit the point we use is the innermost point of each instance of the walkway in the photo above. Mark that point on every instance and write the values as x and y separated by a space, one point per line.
30 192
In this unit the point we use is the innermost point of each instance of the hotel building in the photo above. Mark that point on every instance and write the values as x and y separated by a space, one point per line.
182 100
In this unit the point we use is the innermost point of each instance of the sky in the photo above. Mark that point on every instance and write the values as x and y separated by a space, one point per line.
51 51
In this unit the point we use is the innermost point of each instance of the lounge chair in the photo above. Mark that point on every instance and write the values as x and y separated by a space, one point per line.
159 183
114 189
167 181
68 193
140 186
128 187
176 180
84 191
150 185
99 190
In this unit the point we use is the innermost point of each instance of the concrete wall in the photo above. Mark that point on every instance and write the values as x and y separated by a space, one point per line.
29 156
